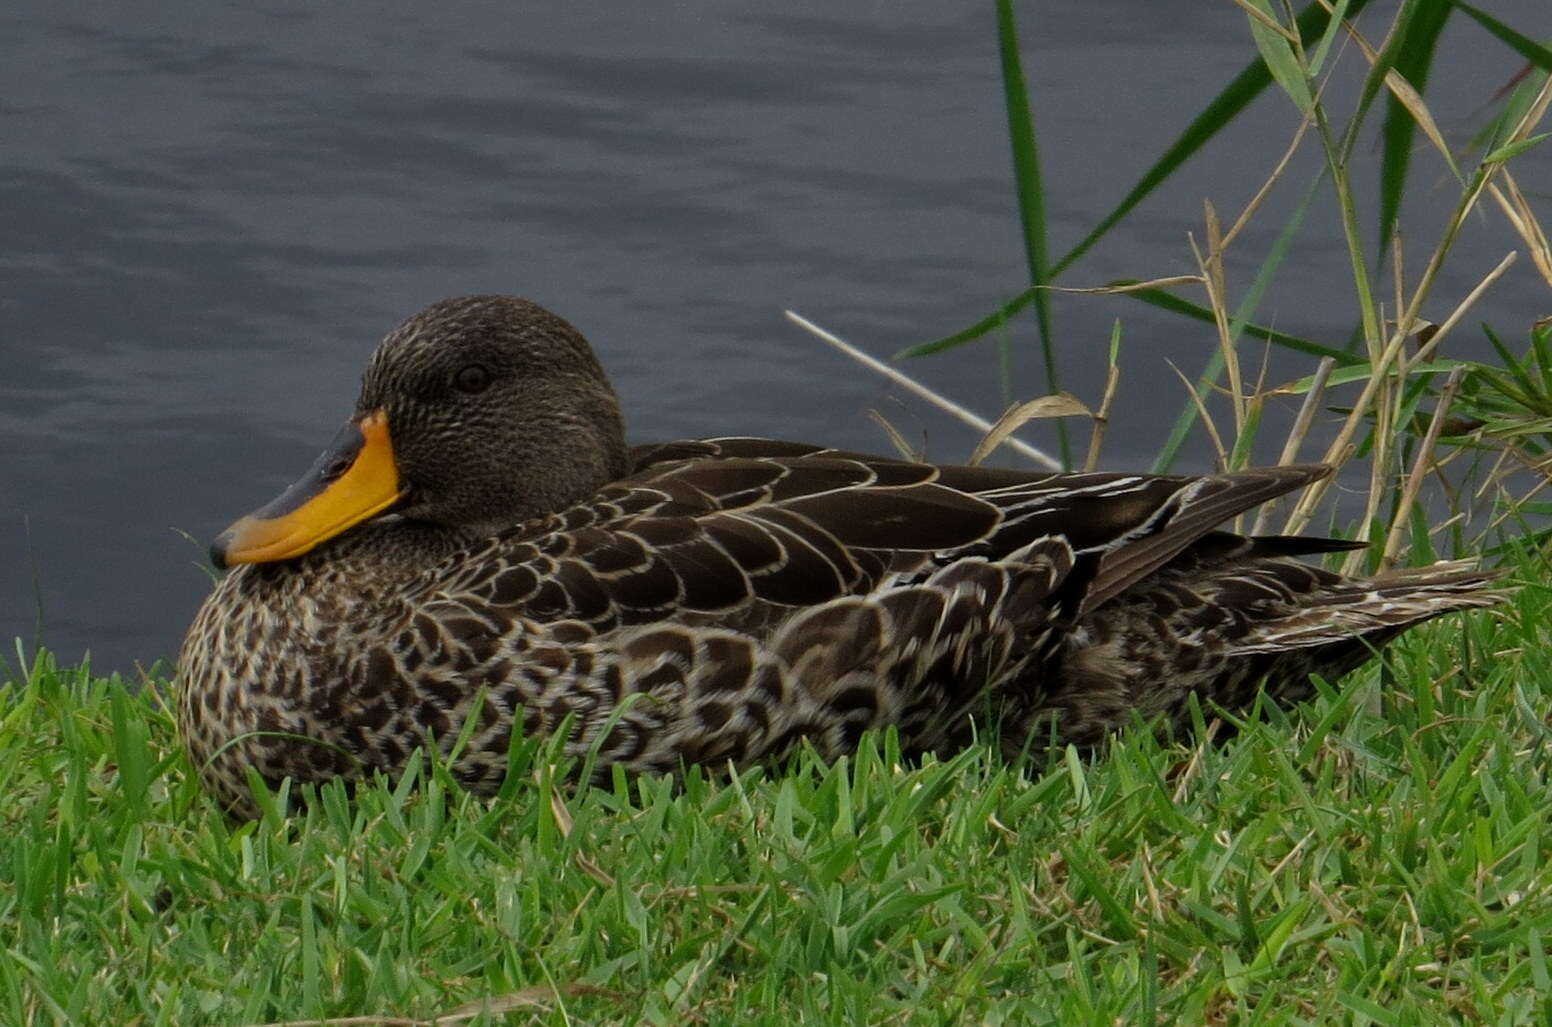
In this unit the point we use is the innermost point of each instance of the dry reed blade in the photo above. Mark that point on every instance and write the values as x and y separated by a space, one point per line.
1259 198
1217 299
1102 418
1523 220
1201 411
1426 350
1401 89
1060 405
896 439
1301 426
1414 482
1118 290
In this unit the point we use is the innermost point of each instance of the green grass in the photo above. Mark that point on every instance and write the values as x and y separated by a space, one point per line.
1377 856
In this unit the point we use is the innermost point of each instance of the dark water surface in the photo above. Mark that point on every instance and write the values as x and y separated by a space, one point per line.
210 213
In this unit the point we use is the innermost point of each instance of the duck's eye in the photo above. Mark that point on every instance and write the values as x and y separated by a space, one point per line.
473 378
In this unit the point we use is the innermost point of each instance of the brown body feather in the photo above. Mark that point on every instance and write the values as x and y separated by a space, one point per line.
728 599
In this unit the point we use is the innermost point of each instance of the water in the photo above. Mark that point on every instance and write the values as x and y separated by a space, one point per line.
209 214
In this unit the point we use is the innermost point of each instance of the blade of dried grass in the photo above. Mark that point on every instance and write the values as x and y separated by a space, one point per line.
896 439
1306 418
1272 179
1125 287
536 998
1405 113
1518 211
1217 300
1426 350
1201 412
1061 404
1301 427
1398 267
1420 465
1102 418
1241 325
1229 329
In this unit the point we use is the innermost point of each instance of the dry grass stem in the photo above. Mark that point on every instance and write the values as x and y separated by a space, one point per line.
1520 216
1060 405
1420 465
1116 290
1427 348
1207 421
1102 418
536 998
1401 89
1306 416
897 440
1259 198
1300 430
1398 269
1213 278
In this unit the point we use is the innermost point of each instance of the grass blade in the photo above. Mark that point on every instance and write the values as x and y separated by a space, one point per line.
1278 54
1031 202
1223 108
1168 301
1528 48
1419 37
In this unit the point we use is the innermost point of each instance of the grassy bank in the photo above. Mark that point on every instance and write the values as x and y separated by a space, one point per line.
1377 856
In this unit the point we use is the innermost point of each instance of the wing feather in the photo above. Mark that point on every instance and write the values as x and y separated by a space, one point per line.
715 525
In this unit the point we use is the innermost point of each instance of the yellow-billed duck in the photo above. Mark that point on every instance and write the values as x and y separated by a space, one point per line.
479 538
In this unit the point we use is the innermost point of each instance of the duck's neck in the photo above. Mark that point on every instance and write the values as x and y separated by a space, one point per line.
391 549
356 571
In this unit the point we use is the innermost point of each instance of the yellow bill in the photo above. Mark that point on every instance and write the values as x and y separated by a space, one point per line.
355 478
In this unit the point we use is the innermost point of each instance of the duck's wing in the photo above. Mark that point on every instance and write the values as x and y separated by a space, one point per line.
740 529
1121 527
715 538
1170 515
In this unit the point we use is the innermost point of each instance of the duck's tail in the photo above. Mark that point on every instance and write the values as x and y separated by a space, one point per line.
1376 609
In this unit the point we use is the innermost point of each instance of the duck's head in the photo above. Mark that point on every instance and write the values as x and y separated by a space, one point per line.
475 414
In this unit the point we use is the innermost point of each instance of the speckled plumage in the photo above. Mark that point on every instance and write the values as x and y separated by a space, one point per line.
708 601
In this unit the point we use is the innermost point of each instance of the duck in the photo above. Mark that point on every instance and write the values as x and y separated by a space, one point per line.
479 555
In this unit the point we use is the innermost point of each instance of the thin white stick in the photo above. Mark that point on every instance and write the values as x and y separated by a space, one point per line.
948 405
1301 427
